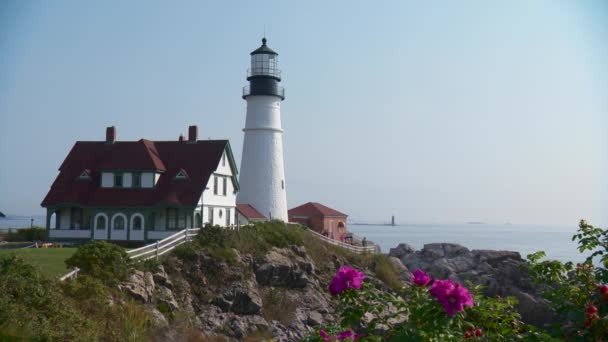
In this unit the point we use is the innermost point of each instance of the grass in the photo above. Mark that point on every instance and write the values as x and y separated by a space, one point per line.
50 261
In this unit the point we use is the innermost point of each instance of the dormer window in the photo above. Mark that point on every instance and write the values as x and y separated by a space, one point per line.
85 175
118 180
181 175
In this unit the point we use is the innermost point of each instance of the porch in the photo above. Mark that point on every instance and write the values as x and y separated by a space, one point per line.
129 224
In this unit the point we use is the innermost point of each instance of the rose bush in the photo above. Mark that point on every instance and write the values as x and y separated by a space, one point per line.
577 293
429 310
444 310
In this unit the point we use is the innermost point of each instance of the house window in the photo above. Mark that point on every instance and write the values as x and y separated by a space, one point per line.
171 218
211 216
215 185
119 223
228 217
137 223
118 180
101 222
225 190
224 159
197 220
137 180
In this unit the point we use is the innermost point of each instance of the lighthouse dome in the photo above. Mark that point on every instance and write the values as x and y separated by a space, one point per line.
264 49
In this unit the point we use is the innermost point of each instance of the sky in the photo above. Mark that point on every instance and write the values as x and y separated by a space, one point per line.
434 111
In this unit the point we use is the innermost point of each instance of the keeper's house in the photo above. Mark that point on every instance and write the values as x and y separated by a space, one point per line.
141 190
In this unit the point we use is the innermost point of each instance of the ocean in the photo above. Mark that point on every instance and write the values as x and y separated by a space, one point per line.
13 221
555 241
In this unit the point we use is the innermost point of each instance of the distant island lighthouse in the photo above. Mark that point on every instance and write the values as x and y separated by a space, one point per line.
262 175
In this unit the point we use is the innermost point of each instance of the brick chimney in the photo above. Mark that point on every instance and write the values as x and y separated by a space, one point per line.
181 138
110 135
192 134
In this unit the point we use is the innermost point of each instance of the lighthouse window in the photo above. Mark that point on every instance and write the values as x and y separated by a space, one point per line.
282 184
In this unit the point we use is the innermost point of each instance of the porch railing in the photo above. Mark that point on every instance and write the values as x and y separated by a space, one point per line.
352 248
153 250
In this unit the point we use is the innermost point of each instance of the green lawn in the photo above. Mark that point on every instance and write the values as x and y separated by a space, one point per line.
49 260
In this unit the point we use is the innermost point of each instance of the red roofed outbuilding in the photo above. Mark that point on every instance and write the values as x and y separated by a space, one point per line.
321 219
248 214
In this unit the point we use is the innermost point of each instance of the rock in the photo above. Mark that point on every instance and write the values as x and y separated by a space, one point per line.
502 273
281 269
315 318
161 278
165 298
404 273
401 250
140 286
158 319
241 298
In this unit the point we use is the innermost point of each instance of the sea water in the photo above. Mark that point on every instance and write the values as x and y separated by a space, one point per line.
12 221
555 241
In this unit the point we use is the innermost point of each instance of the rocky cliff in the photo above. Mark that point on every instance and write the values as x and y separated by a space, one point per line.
282 294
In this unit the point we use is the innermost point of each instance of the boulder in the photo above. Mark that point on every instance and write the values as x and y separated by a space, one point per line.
284 268
502 273
404 273
242 298
140 286
401 250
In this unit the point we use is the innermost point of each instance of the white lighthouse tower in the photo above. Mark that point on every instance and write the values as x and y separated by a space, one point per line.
262 176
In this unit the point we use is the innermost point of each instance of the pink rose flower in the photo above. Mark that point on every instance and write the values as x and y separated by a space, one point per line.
325 336
347 334
346 278
421 278
451 295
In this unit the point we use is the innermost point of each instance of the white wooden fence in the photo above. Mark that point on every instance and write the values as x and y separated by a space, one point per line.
153 250
352 248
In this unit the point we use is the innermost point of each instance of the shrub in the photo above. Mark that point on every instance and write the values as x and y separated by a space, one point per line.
386 272
27 234
32 307
577 293
102 260
435 311
277 306
254 239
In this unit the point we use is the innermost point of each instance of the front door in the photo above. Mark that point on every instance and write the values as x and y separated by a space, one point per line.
100 227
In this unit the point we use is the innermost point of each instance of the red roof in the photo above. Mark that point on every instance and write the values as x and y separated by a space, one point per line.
311 209
198 159
249 212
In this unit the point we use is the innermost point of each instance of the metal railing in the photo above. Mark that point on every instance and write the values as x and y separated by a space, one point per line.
280 91
352 248
153 250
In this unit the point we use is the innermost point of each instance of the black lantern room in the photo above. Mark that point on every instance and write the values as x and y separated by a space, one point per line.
264 75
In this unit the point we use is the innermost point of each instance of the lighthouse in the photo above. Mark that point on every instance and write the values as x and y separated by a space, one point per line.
262 174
